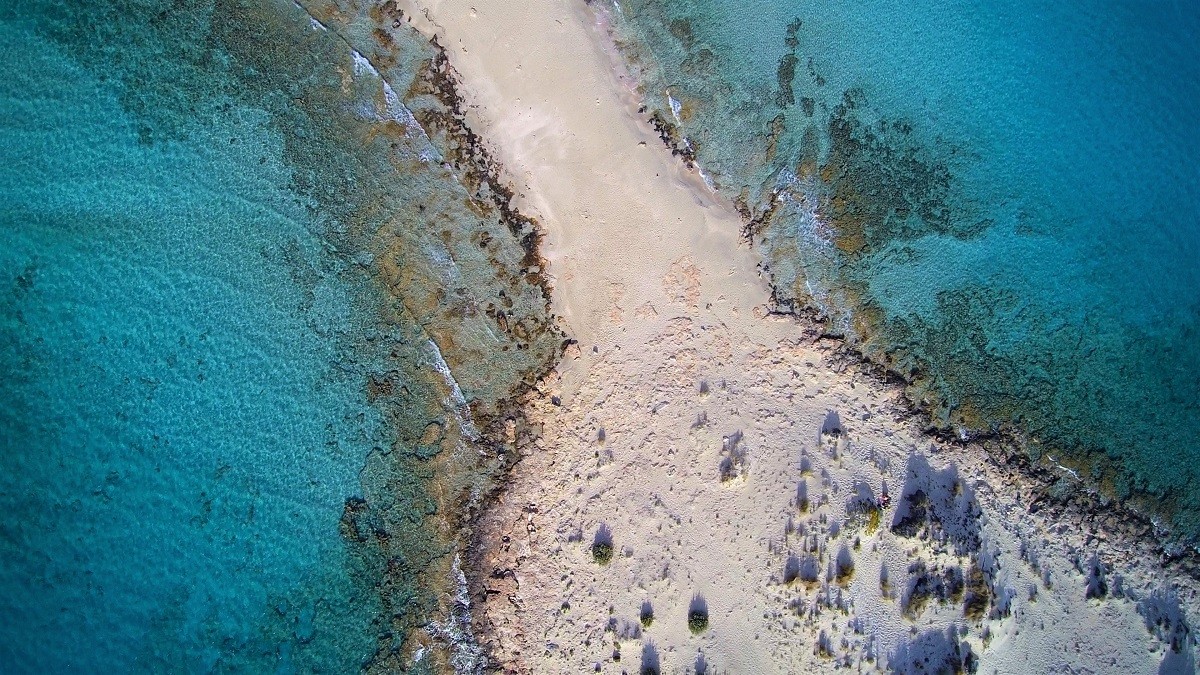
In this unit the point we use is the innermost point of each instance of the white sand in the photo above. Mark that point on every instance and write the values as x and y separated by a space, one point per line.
651 276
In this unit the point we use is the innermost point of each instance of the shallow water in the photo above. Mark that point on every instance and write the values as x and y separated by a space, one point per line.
256 308
999 201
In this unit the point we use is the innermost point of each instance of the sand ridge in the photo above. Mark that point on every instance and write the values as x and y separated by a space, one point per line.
730 454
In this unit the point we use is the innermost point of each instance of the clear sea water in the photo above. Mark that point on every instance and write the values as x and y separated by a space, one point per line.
998 200
255 314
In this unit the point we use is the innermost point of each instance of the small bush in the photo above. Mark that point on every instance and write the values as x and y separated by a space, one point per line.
650 661
952 581
602 552
978 594
734 463
602 545
873 517
843 567
697 614
824 646
791 569
922 587
647 614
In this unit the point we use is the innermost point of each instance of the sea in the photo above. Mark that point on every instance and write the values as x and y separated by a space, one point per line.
998 202
263 305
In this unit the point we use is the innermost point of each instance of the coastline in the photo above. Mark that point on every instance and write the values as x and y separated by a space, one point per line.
671 273
689 90
296 300
1005 444
463 446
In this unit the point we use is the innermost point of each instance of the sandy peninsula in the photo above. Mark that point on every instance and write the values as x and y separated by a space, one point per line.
700 456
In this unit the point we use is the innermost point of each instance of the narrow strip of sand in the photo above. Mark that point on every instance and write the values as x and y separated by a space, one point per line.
731 459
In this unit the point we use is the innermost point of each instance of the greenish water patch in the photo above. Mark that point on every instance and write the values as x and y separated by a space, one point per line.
261 301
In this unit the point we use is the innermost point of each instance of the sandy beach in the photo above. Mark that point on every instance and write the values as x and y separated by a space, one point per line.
735 461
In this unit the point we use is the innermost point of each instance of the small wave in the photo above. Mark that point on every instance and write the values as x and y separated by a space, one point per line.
394 109
467 655
676 107
457 403
400 113
362 65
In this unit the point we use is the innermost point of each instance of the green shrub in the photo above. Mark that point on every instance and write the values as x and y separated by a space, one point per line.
978 594
602 552
874 515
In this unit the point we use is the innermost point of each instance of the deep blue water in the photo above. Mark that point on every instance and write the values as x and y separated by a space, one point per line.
1000 201
222 398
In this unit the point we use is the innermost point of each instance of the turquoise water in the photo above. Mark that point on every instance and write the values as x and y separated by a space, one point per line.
251 310
1000 201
